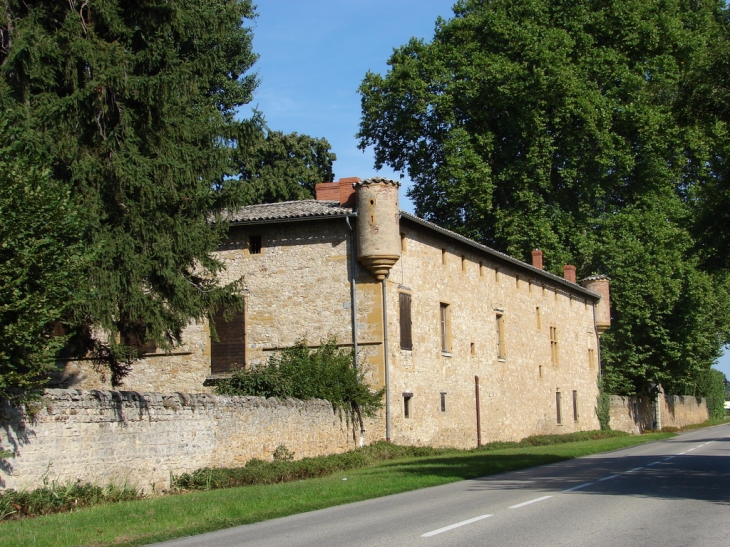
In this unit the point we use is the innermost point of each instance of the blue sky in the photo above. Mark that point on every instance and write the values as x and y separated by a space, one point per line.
314 55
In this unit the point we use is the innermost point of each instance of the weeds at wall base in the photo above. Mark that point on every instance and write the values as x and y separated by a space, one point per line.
61 498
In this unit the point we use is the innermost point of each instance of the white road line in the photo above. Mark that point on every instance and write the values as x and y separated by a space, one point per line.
452 526
634 469
668 458
578 487
681 453
653 463
529 502
609 477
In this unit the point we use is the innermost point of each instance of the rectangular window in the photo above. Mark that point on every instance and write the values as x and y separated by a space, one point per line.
496 275
445 320
443 257
481 269
443 401
407 411
517 281
575 406
254 245
135 337
473 349
592 358
463 264
538 315
403 243
558 400
554 345
228 352
406 340
501 350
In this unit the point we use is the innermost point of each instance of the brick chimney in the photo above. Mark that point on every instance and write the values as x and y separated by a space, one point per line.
537 258
569 273
341 191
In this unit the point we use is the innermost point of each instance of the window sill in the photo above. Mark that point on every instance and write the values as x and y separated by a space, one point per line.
446 353
501 360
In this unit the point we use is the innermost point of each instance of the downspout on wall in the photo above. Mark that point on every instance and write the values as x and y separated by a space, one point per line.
385 358
353 309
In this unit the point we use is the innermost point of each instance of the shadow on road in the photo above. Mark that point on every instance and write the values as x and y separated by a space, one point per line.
693 477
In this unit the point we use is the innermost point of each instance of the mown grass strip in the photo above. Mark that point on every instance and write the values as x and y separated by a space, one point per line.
158 519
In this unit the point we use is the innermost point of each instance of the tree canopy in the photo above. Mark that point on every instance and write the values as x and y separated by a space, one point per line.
121 142
586 129
282 167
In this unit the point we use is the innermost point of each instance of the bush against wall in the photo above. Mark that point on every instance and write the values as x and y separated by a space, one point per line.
711 385
326 372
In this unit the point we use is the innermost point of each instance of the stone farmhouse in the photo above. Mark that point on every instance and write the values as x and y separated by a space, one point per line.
472 345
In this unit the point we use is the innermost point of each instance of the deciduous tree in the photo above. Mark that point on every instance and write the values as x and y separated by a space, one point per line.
573 126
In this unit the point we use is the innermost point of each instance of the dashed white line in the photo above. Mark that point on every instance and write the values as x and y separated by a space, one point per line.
668 458
452 526
634 469
609 477
578 487
529 502
653 463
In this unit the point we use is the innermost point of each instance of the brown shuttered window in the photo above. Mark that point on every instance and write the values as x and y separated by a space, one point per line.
134 337
406 341
228 352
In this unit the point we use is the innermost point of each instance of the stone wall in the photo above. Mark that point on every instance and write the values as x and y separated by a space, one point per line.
299 287
518 389
636 414
143 438
682 410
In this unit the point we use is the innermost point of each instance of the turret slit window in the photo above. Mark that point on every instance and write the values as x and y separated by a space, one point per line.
501 349
554 356
443 401
558 402
575 406
406 339
407 409
445 325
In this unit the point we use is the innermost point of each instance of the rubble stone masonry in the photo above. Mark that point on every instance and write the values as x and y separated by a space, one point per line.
143 438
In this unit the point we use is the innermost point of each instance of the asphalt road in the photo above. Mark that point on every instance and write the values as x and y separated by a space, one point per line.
670 493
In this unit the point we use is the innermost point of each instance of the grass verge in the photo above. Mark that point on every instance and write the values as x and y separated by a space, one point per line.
158 519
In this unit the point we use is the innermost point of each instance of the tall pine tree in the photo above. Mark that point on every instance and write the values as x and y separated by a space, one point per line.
131 105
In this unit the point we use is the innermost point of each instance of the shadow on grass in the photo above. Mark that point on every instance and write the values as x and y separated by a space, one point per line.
480 464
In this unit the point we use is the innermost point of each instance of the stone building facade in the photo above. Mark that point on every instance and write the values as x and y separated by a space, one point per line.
471 344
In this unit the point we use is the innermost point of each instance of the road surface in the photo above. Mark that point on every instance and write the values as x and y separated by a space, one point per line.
670 493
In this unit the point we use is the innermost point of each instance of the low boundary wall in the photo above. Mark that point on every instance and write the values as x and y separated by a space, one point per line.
635 414
143 438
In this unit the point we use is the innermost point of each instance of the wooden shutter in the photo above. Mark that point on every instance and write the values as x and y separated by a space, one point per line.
406 341
227 353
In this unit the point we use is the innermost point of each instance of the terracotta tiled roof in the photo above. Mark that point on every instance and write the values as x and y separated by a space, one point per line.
289 210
